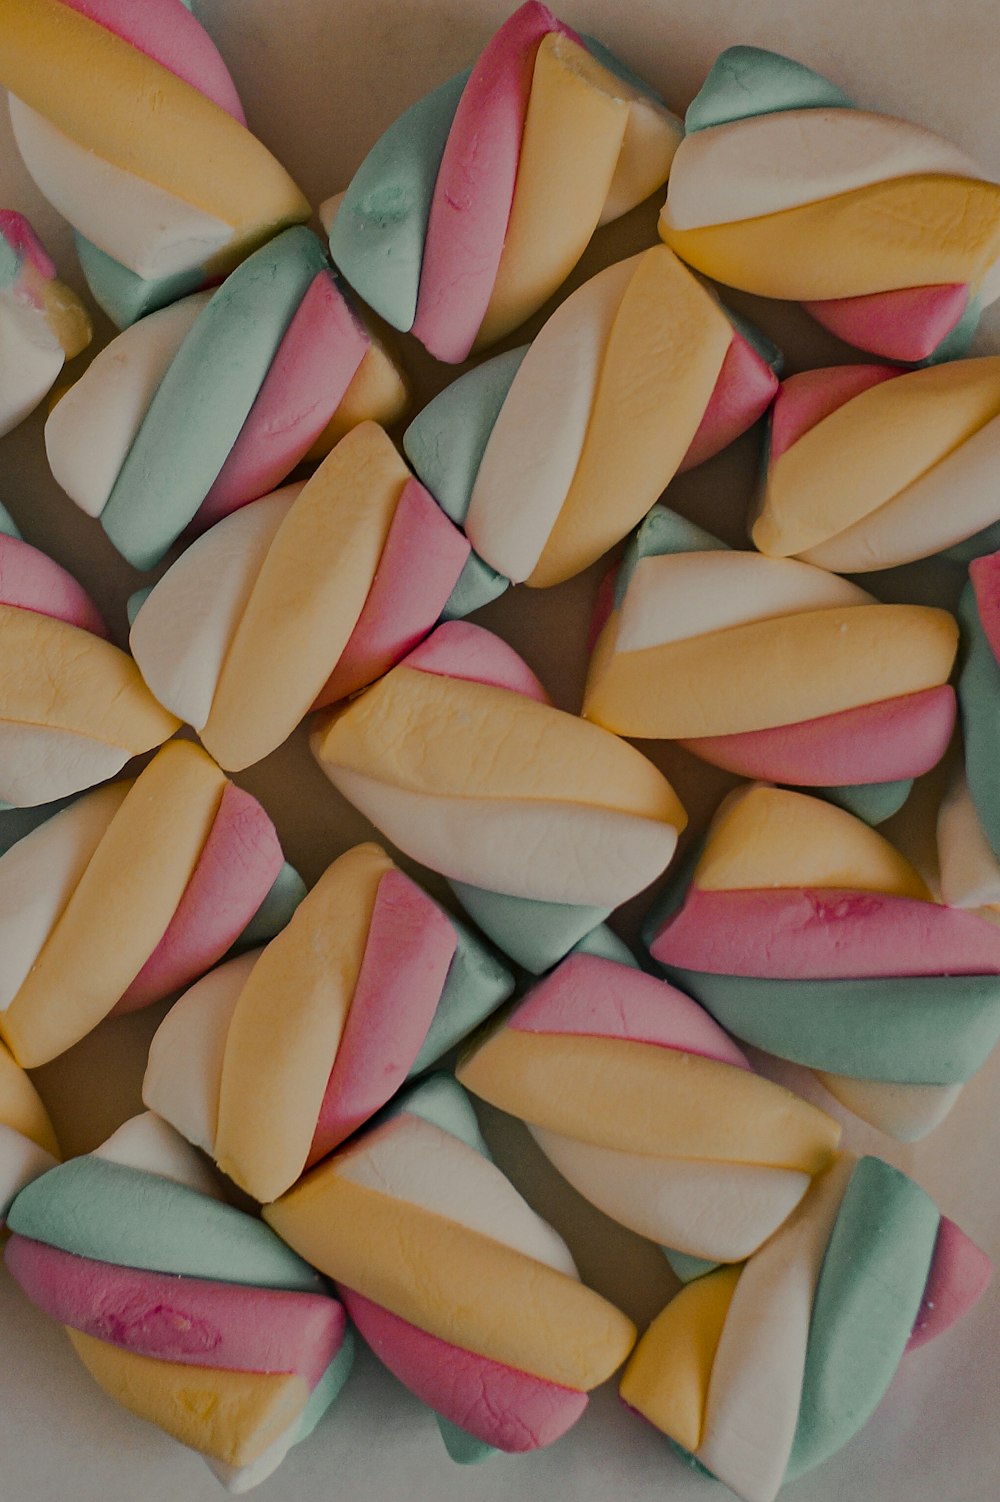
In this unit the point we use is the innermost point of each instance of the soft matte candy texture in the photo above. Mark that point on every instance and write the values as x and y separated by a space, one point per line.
42 323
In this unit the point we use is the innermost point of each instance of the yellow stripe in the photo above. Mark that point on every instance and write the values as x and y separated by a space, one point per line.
121 906
637 1098
669 1371
910 232
286 1029
456 1284
378 393
21 1105
131 111
231 1416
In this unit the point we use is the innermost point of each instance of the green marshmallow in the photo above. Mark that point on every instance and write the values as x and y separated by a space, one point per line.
535 935
123 295
749 81
475 986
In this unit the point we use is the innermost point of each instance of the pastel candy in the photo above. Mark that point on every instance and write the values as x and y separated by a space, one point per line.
548 455
274 1059
458 757
807 934
969 821
73 707
476 204
649 1109
855 692
298 600
886 232
477 1303
131 891
761 1373
42 322
185 1309
130 125
885 470
209 403
28 1145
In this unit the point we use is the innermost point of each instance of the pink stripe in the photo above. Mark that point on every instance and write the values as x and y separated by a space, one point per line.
187 1320
901 737
424 555
743 392
457 649
236 870
497 1404
31 580
475 186
825 934
312 368
985 576
591 997
960 1274
907 324
408 951
166 31
25 244
805 399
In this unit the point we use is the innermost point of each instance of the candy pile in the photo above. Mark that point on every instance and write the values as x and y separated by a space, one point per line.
311 1162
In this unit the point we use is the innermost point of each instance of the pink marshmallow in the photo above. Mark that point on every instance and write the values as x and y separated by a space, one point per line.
457 649
312 368
33 581
959 1276
825 934
593 997
907 324
166 31
424 555
475 186
187 1320
985 576
409 948
236 870
743 392
497 1404
900 737
805 399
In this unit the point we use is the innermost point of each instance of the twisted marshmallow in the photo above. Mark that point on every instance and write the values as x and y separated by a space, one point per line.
871 467
73 707
762 1372
772 668
130 893
650 1111
189 1312
42 323
210 403
888 234
807 934
458 756
275 1058
475 206
28 1145
129 123
551 453
470 1298
299 599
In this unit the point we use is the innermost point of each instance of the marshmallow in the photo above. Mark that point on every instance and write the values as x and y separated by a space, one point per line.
28 1145
855 696
298 600
549 454
762 1372
871 467
211 402
458 756
129 894
128 121
474 207
275 1058
42 323
888 234
650 1111
188 1311
466 1294
73 707
807 934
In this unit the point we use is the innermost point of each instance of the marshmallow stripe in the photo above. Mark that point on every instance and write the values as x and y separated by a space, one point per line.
30 580
28 1145
969 835
496 182
42 323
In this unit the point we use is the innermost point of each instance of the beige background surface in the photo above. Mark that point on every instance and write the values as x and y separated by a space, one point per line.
320 79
